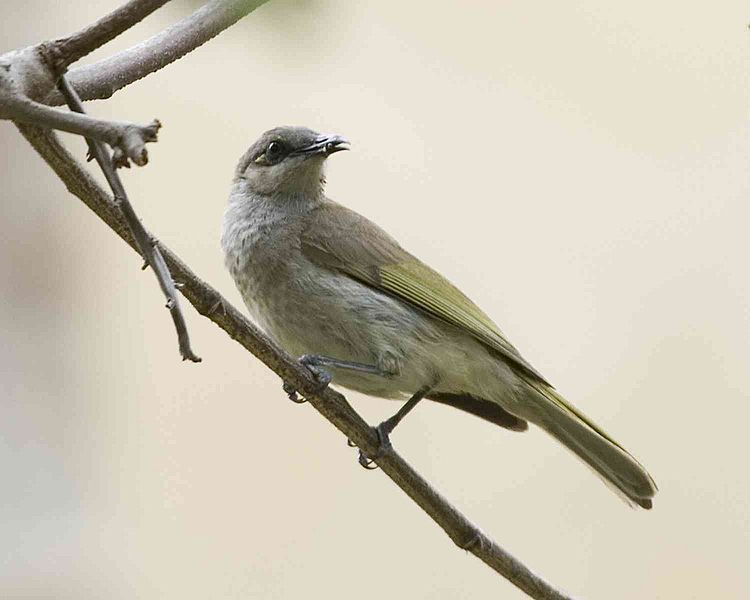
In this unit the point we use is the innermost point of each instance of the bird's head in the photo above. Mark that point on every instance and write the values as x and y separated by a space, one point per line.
288 160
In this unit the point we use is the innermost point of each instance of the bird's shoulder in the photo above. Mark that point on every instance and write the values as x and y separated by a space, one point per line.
343 239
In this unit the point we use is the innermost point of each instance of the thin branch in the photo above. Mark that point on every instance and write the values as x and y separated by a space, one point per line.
331 404
128 139
146 245
104 78
70 49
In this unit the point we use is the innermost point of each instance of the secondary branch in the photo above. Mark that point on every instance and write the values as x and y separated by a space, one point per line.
128 139
146 245
69 49
104 78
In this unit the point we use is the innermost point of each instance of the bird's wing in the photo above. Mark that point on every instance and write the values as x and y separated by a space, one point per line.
343 240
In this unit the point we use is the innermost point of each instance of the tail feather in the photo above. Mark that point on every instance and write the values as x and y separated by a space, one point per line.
618 468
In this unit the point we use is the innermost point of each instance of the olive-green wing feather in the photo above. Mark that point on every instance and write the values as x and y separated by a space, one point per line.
341 239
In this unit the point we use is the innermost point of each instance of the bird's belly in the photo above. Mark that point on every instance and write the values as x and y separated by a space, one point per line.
335 316
380 331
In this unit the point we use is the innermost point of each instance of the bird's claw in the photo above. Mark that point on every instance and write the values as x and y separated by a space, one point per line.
322 376
384 443
292 393
365 462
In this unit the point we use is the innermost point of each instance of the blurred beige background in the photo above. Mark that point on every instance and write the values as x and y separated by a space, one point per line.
580 169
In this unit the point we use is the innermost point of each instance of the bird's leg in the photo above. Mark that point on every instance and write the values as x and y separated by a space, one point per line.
386 428
315 364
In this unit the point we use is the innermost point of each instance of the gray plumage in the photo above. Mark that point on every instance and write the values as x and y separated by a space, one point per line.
322 279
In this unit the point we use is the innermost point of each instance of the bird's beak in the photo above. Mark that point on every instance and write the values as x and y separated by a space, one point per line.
325 145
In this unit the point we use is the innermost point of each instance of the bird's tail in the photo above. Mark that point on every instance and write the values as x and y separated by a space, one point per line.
623 473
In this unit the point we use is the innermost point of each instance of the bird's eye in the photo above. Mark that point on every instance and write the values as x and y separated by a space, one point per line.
274 151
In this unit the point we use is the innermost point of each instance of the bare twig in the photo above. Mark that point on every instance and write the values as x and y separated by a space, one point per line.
331 404
146 245
69 49
104 78
128 139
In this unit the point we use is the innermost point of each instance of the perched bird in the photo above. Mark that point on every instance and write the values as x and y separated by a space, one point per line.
332 287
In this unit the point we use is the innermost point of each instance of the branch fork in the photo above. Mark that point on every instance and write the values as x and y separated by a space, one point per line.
25 75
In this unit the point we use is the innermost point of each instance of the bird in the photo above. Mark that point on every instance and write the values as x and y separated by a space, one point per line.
337 291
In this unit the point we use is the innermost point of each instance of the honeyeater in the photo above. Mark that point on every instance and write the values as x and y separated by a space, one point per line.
336 290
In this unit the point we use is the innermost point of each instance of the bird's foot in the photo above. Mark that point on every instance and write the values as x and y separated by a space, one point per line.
323 377
384 444
313 364
291 391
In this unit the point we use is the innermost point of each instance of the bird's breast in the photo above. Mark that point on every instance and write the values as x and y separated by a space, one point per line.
259 243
